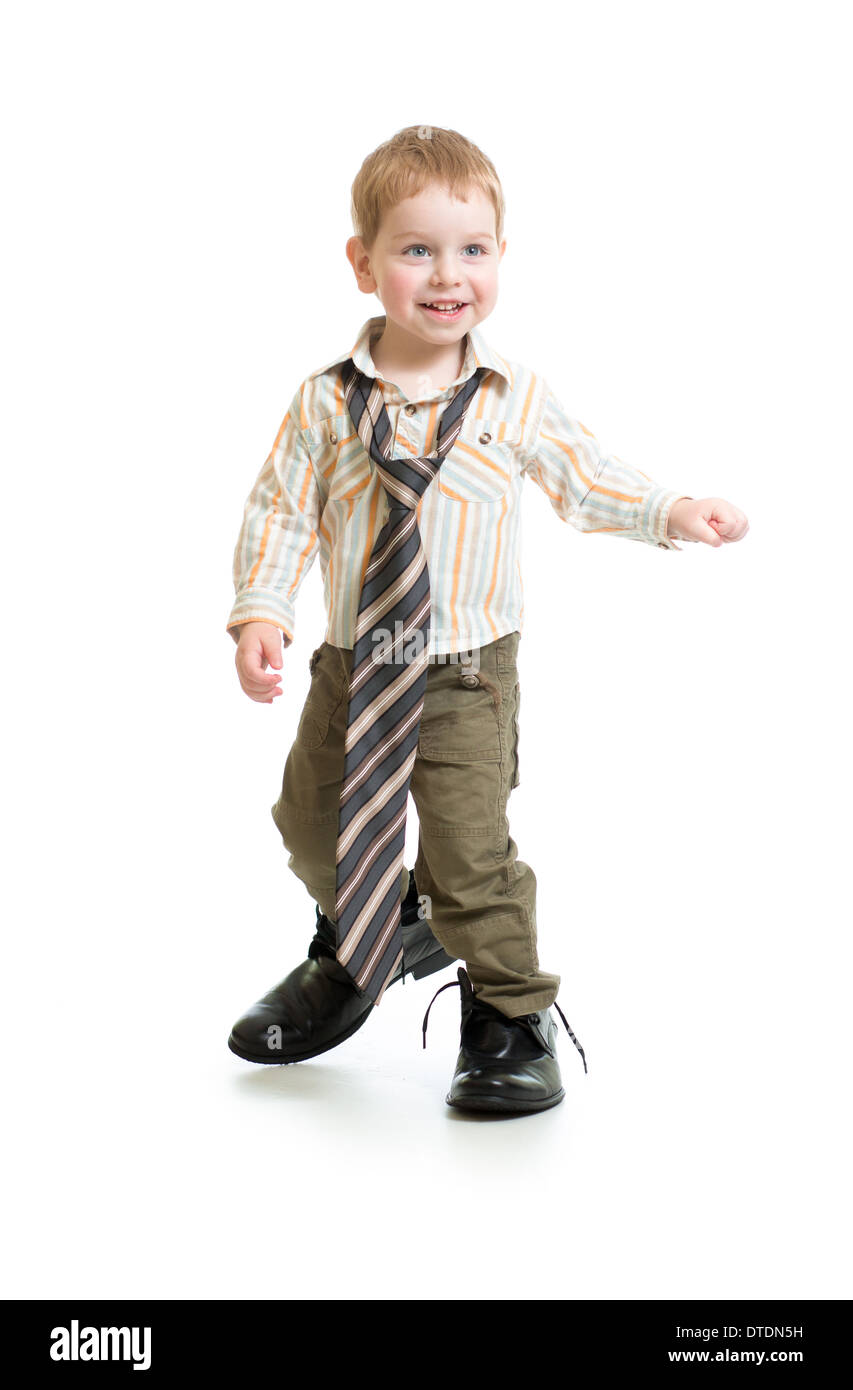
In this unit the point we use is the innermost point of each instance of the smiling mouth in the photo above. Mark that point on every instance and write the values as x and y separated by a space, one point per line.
448 311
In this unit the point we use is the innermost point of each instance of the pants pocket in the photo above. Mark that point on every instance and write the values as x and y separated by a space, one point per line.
329 685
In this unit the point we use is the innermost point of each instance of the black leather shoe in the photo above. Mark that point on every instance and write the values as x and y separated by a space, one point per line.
317 1006
504 1064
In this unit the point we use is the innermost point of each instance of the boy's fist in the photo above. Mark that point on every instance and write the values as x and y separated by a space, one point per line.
259 644
708 519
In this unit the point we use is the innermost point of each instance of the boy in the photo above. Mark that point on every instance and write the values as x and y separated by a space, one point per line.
410 450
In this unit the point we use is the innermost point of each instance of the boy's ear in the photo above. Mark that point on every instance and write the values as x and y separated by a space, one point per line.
360 262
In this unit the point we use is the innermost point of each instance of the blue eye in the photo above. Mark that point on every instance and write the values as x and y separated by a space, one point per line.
473 246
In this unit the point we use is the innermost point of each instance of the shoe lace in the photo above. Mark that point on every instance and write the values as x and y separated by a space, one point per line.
571 1035
451 984
457 984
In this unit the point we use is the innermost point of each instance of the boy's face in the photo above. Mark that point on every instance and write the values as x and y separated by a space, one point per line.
433 249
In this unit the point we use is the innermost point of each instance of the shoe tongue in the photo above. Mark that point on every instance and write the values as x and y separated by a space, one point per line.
325 940
529 1022
467 997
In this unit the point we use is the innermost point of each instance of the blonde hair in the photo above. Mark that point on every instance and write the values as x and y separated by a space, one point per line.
413 158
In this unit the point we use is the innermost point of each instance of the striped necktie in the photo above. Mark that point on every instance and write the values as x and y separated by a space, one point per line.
386 693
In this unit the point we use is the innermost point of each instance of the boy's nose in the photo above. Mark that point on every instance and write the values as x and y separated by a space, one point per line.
445 272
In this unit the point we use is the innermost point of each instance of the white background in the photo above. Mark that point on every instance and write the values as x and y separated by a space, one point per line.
177 185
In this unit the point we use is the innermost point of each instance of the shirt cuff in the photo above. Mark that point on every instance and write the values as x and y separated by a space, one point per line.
659 506
262 606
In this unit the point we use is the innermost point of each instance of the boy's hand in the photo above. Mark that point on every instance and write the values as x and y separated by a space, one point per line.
708 519
259 644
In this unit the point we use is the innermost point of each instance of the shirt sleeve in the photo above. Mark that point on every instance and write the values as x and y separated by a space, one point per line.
278 539
592 490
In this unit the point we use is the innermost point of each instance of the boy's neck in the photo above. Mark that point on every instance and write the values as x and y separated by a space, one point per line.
402 357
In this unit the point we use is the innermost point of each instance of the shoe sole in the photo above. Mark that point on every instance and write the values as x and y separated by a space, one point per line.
437 961
499 1105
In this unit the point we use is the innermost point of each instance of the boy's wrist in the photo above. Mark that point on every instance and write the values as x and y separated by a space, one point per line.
672 518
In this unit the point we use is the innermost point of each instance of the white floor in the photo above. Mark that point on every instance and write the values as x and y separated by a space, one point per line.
171 1169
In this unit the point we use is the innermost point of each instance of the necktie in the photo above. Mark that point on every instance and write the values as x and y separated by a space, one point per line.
386 693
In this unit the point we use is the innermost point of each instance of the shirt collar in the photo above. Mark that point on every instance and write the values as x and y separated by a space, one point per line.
477 354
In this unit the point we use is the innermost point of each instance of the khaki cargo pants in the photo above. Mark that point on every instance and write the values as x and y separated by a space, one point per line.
481 899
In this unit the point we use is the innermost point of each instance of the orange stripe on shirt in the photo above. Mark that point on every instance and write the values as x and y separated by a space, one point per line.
496 567
483 459
457 566
595 487
262 548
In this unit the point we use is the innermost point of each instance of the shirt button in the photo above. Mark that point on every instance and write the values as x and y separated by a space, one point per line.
485 438
410 409
333 439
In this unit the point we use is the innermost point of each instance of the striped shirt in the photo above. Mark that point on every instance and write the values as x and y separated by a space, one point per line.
319 492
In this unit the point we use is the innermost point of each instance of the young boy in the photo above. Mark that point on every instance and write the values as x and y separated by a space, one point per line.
421 421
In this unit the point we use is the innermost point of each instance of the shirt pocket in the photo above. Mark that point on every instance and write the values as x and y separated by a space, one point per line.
479 467
340 460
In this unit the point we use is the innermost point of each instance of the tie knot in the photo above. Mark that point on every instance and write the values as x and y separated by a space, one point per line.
406 480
